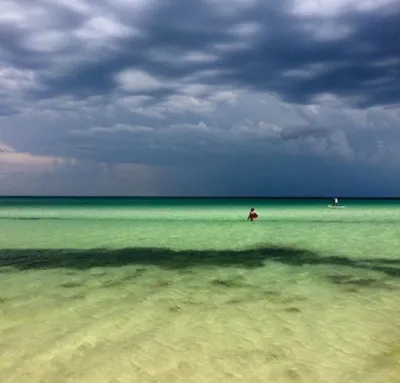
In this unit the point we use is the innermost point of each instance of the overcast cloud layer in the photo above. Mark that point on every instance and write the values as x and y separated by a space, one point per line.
200 97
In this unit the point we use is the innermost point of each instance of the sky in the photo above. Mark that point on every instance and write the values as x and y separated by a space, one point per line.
200 97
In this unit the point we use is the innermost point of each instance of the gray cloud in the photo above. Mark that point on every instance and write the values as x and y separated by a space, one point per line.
266 46
201 97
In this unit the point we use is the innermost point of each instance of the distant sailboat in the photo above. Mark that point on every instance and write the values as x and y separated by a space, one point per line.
335 204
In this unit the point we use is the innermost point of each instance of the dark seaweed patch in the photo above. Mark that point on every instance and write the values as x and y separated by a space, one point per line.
186 271
112 283
351 290
169 259
71 285
293 375
293 310
353 282
175 309
161 283
234 282
235 301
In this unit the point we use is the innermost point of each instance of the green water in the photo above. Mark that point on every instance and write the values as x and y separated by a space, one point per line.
157 290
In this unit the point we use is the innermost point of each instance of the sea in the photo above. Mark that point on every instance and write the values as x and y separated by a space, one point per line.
165 290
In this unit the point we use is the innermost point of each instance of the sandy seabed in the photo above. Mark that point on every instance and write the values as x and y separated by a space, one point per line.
277 323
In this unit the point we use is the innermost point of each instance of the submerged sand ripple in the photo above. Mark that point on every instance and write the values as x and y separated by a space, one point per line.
226 327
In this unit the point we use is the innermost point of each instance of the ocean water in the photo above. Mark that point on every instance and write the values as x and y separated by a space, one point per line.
186 290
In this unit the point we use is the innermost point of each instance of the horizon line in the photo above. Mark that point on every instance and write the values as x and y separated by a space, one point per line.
197 197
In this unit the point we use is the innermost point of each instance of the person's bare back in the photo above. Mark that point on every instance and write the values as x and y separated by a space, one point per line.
252 215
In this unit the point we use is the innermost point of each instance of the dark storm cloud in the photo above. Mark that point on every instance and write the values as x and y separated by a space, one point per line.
283 53
181 96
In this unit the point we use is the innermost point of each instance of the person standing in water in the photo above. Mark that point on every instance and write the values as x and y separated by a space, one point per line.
252 215
335 202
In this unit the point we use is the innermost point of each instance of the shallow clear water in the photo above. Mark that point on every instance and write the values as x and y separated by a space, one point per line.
167 290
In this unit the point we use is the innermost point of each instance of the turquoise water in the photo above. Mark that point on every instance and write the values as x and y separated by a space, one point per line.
167 290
